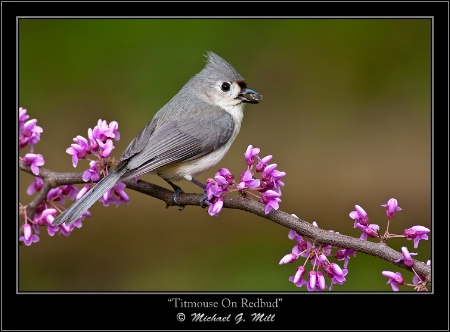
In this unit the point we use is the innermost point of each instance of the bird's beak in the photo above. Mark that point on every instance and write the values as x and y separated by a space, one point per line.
254 97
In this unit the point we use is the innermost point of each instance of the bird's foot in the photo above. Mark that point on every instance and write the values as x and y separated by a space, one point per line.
203 200
177 190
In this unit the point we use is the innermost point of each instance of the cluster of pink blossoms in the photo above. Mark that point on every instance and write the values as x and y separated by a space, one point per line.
317 254
99 144
267 187
415 233
29 135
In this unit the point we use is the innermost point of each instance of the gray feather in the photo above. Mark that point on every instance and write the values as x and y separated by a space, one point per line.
77 209
140 141
218 69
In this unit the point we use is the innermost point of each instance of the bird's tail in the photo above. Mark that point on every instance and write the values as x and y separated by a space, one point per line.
93 195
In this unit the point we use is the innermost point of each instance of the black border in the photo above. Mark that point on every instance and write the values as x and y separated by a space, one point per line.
303 311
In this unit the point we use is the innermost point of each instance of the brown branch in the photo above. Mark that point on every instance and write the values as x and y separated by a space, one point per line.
54 179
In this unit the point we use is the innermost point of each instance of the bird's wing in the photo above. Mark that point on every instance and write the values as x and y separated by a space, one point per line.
176 141
140 141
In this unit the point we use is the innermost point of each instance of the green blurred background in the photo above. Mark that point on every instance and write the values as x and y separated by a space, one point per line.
346 114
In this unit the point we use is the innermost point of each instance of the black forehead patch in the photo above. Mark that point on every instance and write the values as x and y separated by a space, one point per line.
242 84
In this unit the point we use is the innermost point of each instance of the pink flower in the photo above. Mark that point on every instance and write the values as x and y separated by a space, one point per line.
250 154
359 216
34 161
406 257
28 237
216 207
271 199
395 279
392 207
417 233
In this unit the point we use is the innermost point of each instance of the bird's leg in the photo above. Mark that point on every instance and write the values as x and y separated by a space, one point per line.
177 190
205 195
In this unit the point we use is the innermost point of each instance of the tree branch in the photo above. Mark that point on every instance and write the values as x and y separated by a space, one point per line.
381 250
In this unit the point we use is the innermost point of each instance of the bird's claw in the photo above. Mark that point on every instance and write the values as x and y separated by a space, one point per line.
175 198
203 200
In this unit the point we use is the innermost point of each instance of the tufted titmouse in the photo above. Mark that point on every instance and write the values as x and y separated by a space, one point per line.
187 136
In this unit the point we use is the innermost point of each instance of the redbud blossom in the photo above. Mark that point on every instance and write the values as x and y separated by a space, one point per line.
395 279
417 233
289 258
406 257
262 163
299 274
35 186
392 207
91 173
29 132
106 148
368 231
34 161
79 150
321 285
250 154
83 191
28 237
360 216
23 116
344 254
215 208
312 280
225 172
271 199
247 181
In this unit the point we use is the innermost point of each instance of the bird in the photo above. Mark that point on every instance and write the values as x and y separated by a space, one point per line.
189 135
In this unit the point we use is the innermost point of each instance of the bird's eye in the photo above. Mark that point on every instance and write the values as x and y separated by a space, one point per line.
225 86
